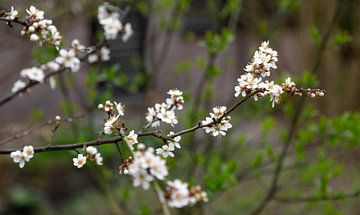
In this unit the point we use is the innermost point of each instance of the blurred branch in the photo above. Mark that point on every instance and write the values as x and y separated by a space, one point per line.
271 192
306 199
32 84
36 127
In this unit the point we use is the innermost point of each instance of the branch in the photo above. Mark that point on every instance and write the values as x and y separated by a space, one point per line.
32 84
17 21
305 199
36 127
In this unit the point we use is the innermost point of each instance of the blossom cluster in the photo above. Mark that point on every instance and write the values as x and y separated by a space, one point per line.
145 167
92 154
260 67
217 124
23 156
178 194
109 18
165 112
67 59
39 29
114 110
167 150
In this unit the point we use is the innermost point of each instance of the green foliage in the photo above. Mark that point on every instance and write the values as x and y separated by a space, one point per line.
342 38
217 42
45 53
315 35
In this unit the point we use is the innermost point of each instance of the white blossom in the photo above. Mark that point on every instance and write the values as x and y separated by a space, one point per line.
69 59
22 156
79 161
142 178
12 15
18 85
91 150
214 126
109 124
247 84
128 32
18 157
105 54
35 14
179 194
34 73
99 159
131 138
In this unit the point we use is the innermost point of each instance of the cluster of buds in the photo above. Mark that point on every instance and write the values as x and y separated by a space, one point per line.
217 124
178 194
260 67
126 165
114 110
165 112
92 154
290 87
167 150
109 18
40 29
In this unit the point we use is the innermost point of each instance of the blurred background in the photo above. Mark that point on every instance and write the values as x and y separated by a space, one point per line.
200 47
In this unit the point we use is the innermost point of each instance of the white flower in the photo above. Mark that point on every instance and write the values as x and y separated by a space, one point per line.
34 73
247 84
111 27
105 53
68 59
176 99
13 14
131 138
53 66
109 124
93 58
106 11
18 157
151 117
99 159
142 178
159 169
18 85
166 115
75 44
128 32
79 161
274 91
35 14
91 150
120 108
179 194
28 152
166 151
213 126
